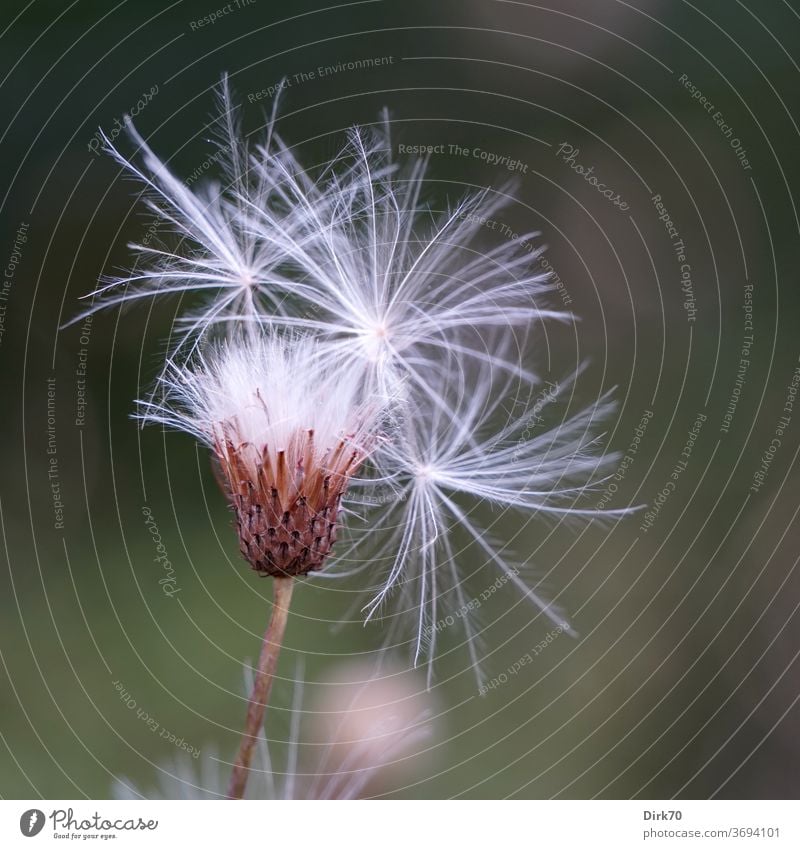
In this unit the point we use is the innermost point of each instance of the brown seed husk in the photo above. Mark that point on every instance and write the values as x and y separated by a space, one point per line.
286 502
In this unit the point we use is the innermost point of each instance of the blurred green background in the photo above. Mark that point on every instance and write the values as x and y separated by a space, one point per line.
684 679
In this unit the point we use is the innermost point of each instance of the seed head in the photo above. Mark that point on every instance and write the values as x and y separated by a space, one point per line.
287 434
286 512
340 296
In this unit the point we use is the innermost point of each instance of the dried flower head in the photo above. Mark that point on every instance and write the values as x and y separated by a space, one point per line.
341 298
288 433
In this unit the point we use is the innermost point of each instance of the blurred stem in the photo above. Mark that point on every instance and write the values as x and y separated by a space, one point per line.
267 663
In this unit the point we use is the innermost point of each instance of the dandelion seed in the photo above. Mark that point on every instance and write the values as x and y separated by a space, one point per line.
348 252
217 255
447 461
394 288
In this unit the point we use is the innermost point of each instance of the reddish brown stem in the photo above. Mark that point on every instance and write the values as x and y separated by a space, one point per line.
267 663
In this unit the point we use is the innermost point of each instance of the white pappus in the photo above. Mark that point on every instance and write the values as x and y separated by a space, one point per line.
349 342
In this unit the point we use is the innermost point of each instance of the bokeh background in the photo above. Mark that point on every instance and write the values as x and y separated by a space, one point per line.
683 680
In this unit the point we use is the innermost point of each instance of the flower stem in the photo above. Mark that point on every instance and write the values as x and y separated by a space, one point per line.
267 663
